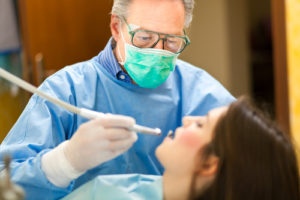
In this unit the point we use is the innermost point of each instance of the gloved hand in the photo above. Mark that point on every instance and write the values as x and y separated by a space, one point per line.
98 141
95 142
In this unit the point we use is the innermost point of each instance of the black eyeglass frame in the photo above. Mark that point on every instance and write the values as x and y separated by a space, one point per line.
132 33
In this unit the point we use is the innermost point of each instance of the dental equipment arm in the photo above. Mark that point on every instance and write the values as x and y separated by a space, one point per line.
89 114
94 142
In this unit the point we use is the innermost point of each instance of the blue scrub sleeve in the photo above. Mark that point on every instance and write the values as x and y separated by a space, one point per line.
30 176
40 128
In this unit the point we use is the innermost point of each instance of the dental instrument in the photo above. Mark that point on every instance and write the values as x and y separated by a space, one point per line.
89 114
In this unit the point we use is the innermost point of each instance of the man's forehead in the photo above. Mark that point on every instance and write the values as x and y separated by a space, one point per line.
165 16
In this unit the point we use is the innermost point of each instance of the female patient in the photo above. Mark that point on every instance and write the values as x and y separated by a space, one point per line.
239 155
233 153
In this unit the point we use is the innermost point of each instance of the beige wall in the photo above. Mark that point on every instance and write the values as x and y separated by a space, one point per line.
219 42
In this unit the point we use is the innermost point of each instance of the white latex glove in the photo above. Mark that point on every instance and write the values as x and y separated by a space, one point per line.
99 141
95 142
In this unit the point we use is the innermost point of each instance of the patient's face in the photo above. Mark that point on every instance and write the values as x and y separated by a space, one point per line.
178 155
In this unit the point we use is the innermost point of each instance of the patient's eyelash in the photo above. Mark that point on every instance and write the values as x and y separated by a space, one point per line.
199 124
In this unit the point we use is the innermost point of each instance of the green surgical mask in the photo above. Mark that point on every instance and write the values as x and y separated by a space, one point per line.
148 67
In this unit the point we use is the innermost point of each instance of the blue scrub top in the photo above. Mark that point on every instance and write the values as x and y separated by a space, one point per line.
43 125
116 187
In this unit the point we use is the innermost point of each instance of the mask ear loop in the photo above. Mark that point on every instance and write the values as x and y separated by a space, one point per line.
118 49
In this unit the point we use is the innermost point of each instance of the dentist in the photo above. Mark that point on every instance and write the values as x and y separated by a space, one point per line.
138 75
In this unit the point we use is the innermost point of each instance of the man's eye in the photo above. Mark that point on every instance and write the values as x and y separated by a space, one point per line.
144 38
171 41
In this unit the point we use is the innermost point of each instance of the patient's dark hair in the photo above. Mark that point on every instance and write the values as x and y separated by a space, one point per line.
256 159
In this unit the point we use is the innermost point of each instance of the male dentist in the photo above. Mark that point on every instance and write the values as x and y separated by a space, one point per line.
137 75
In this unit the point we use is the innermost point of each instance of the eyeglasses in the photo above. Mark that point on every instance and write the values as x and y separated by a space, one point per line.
148 39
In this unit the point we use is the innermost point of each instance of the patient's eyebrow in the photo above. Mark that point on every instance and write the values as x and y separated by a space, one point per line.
208 117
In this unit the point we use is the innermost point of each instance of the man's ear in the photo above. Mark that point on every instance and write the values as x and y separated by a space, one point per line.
115 27
209 167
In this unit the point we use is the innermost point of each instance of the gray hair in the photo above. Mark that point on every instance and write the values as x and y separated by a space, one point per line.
120 8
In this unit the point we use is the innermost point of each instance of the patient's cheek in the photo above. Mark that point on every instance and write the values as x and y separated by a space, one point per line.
190 139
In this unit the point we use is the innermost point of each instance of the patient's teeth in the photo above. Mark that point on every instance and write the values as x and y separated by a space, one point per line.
170 134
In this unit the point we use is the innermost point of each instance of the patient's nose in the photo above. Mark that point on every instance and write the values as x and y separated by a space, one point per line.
186 121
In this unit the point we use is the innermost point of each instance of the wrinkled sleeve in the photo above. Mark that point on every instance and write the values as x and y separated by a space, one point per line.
201 92
40 128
